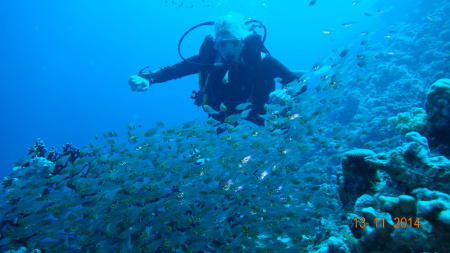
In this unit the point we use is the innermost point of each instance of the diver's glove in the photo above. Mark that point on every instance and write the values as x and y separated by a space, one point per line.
279 96
139 83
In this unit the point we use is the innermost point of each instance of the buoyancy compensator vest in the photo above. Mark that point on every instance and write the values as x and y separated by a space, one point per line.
209 57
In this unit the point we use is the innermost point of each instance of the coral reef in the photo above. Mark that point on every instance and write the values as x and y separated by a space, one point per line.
438 111
405 122
438 101
399 222
401 206
435 207
410 168
358 176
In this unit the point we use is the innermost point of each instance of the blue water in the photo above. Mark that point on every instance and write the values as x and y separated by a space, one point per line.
65 64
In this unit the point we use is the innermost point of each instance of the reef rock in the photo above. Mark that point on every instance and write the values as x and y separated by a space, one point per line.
401 206
438 111
409 169
405 122
435 207
358 176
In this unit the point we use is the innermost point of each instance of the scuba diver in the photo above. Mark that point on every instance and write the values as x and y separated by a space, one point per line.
236 72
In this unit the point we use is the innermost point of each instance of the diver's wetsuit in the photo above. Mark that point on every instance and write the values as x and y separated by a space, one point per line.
249 80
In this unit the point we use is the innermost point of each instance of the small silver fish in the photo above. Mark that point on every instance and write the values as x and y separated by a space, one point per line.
222 107
324 77
209 109
243 106
328 31
363 63
349 24
319 64
188 124
245 113
232 118
212 122
346 49
344 52
360 79
441 54
273 108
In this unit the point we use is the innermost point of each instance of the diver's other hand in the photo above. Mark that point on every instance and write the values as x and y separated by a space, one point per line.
138 83
279 97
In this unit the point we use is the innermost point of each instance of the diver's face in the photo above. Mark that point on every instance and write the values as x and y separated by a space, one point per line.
229 47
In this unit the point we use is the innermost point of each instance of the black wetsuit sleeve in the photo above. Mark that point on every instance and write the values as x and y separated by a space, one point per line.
276 69
177 70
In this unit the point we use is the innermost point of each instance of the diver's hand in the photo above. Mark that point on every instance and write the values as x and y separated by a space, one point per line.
279 96
138 83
